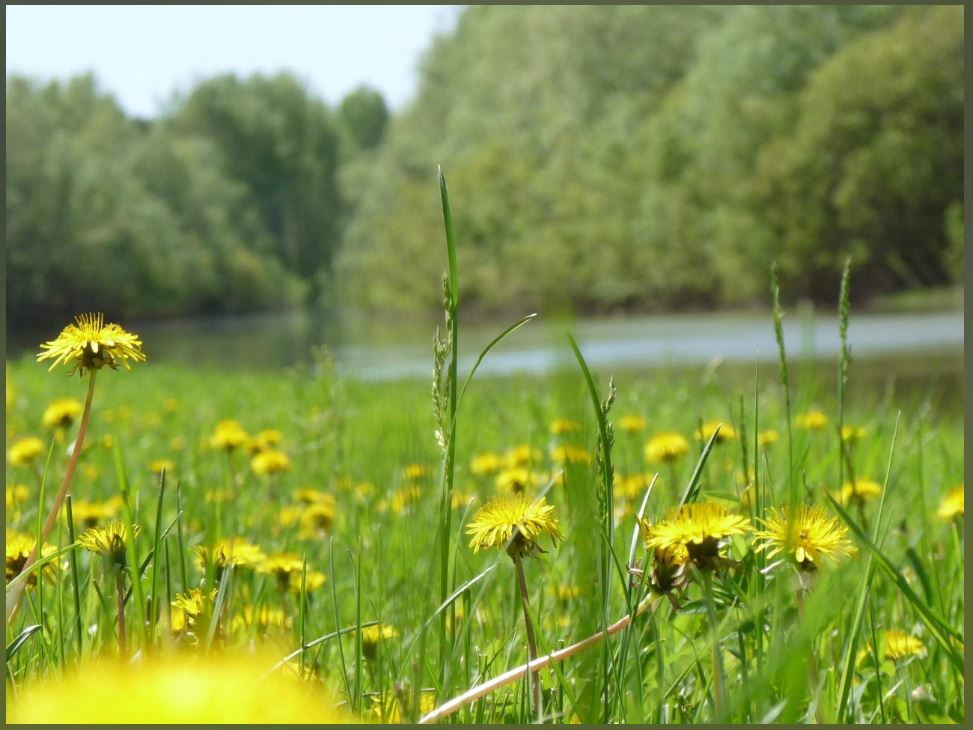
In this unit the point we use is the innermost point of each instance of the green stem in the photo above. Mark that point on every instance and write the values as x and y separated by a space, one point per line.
535 677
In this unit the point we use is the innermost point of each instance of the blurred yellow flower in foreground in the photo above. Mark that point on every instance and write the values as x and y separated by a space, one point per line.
90 344
178 690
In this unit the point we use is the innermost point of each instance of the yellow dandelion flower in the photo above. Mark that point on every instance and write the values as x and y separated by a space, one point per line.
270 462
25 451
852 434
567 592
90 344
666 447
19 547
415 471
564 425
483 464
521 456
61 413
709 428
177 443
515 522
282 566
571 455
812 421
633 486
157 465
308 495
517 480
319 517
170 405
152 420
175 690
951 507
899 646
372 636
228 435
88 514
234 551
190 607
668 568
264 441
109 541
805 538
861 491
403 498
17 495
315 579
768 437
632 424
701 528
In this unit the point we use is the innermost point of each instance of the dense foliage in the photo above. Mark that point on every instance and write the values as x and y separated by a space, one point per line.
609 157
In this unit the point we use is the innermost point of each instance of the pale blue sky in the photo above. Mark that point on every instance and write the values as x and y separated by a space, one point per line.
144 53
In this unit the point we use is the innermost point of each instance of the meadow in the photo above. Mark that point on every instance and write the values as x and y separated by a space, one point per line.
669 546
359 499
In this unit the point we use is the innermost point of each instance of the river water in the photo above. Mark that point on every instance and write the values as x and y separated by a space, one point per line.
372 349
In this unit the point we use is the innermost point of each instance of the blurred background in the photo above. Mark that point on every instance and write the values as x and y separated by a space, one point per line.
242 184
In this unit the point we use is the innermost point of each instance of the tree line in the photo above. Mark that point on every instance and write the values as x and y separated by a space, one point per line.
600 158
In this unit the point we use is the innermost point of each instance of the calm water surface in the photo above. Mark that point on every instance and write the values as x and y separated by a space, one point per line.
372 349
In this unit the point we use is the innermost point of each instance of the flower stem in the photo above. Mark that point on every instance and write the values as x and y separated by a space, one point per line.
14 598
718 675
120 605
531 639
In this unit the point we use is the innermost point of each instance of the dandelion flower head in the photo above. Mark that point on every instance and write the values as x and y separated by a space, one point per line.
90 344
515 522
61 413
805 536
25 451
701 528
708 428
270 462
812 421
666 447
899 646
